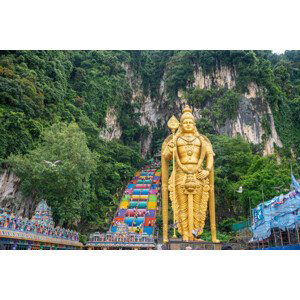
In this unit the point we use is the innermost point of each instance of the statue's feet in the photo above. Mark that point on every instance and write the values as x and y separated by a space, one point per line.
185 238
215 240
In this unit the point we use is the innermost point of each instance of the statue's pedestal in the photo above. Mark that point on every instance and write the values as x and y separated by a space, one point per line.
175 243
179 244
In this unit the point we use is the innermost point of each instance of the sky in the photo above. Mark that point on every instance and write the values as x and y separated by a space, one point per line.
278 51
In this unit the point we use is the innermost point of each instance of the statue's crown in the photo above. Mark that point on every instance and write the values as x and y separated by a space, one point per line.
187 109
187 114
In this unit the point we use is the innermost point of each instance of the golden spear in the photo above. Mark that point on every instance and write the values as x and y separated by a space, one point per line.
173 124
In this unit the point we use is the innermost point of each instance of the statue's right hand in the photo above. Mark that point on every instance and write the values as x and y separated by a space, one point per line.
202 174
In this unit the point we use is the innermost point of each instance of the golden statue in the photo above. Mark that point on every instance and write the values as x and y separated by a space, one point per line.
191 186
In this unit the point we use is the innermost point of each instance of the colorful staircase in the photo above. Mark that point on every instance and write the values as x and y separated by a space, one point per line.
134 221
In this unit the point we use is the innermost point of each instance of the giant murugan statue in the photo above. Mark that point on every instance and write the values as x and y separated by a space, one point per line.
191 184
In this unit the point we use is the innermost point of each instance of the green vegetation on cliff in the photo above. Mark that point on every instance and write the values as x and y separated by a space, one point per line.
53 105
277 76
41 92
237 164
83 186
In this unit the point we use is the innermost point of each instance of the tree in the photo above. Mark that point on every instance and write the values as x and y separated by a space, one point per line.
64 184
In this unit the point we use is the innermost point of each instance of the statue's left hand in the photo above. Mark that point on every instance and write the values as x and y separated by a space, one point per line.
203 174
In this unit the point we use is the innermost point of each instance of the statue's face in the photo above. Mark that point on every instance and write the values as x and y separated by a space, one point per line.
188 125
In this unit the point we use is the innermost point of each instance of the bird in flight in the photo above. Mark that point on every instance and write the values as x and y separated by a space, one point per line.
240 190
52 164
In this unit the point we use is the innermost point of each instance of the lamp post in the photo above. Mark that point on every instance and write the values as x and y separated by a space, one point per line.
240 190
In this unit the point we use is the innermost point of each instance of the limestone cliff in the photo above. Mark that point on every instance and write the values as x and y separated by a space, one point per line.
155 111
112 129
222 76
253 108
249 122
11 197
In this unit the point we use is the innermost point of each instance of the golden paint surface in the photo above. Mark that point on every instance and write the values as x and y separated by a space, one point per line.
190 187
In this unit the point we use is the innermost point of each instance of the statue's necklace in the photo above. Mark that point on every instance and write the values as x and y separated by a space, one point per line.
189 144
188 139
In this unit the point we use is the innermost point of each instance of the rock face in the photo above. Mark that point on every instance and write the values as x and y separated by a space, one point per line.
155 112
249 122
11 196
222 76
273 139
112 129
253 108
152 111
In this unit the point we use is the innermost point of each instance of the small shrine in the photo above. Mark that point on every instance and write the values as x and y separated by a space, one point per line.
43 214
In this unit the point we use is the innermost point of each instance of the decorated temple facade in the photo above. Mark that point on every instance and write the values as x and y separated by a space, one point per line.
18 233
